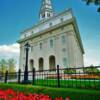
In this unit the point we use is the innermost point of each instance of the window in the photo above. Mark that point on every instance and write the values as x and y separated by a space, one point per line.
52 62
61 19
31 64
43 15
50 24
23 67
48 14
32 32
40 46
63 39
41 64
64 50
51 43
31 48
65 62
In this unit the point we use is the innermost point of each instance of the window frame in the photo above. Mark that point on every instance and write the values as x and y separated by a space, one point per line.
63 39
51 43
40 46
65 64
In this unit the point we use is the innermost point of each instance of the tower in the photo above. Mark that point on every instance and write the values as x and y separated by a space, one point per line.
46 10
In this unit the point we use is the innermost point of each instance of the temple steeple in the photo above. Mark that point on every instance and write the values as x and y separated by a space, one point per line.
46 10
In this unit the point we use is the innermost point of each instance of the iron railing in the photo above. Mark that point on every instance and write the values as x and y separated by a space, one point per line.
84 77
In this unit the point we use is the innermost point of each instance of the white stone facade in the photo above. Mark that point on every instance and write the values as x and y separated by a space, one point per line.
55 41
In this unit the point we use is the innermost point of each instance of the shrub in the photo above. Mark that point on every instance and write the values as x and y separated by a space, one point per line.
69 71
92 70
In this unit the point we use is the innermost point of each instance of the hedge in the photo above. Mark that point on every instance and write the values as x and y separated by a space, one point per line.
74 94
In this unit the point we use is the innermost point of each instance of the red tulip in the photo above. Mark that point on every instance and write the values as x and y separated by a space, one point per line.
44 97
59 98
10 92
3 95
21 96
32 97
67 98
12 95
15 98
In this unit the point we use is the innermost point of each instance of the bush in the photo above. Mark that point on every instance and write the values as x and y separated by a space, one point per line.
92 70
69 71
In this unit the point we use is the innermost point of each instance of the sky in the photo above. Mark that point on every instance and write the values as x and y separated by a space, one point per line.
18 15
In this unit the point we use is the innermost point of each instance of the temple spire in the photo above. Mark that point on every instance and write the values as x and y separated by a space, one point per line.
46 10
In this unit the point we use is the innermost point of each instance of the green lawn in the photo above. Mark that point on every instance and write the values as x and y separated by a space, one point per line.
69 83
74 94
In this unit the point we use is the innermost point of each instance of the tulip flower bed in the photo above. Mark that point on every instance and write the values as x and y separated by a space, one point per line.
18 91
12 95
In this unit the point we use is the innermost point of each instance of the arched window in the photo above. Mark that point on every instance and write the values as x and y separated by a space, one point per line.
41 64
31 64
52 62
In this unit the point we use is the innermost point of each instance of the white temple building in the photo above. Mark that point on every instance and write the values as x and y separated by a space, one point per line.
55 40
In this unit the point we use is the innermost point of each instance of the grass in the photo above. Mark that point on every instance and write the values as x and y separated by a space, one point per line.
70 83
95 84
74 94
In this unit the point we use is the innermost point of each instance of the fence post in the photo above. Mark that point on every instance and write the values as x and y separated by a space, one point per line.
33 76
6 76
19 75
58 76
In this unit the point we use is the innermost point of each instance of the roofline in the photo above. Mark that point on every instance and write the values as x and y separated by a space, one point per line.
43 21
71 21
78 34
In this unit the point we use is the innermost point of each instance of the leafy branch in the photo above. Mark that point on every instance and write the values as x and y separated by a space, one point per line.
95 2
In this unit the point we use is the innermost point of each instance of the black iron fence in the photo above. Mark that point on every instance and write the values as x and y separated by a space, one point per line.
84 77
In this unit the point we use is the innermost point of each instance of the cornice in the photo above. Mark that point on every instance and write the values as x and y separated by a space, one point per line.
47 30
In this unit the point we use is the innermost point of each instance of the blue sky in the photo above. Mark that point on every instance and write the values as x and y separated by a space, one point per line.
17 15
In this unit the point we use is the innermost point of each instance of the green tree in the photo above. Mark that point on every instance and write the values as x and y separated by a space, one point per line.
96 2
11 68
92 69
11 65
69 71
3 65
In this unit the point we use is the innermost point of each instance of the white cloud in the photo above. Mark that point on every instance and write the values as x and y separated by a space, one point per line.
10 51
92 56
91 61
14 48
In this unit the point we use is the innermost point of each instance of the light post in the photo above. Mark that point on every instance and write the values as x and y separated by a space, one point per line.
26 81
